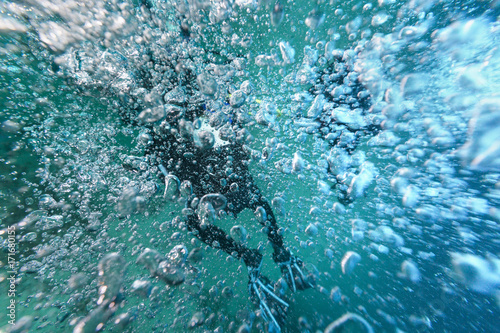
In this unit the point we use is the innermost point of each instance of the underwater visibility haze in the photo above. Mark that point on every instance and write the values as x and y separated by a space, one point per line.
249 166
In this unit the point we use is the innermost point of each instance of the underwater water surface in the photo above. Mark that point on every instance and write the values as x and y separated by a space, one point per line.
371 130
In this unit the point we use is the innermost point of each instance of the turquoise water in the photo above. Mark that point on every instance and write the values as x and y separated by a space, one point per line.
407 181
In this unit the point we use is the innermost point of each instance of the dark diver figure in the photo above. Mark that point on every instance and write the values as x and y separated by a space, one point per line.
211 170
339 87
213 176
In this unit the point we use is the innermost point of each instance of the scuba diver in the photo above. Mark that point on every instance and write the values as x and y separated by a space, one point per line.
340 109
213 176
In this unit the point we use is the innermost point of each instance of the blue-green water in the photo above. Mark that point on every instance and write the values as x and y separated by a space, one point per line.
373 131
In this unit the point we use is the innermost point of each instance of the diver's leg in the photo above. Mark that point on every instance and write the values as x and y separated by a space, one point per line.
273 233
248 196
217 238
256 202
272 307
290 265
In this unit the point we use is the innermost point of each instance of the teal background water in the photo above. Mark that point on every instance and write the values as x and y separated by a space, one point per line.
68 145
